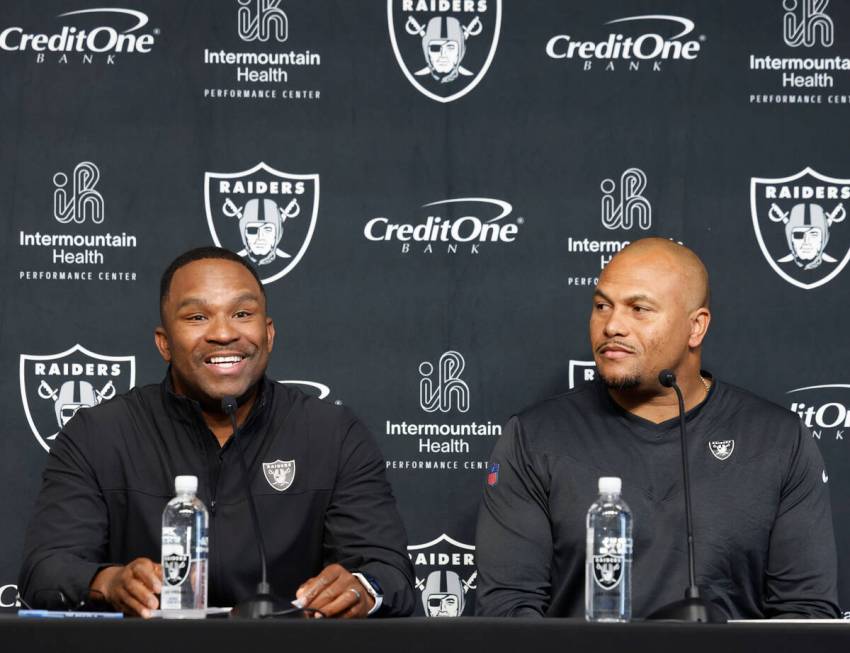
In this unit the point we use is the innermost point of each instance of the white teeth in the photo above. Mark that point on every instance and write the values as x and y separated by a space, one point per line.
225 361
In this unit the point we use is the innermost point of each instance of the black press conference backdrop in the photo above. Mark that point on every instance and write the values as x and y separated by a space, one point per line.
429 189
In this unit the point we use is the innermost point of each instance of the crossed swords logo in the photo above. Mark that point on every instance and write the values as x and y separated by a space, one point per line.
414 28
292 210
467 584
778 215
45 391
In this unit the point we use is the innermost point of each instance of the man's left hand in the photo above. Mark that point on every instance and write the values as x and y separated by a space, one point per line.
336 593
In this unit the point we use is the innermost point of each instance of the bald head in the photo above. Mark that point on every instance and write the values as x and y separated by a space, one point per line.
678 266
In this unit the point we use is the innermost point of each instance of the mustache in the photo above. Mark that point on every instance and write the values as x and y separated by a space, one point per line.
615 343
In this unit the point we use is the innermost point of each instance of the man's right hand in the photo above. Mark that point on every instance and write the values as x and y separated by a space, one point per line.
133 588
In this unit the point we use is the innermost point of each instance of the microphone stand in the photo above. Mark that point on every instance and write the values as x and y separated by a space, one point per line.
693 608
262 604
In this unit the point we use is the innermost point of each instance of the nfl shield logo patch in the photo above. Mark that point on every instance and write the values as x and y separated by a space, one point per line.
280 474
493 474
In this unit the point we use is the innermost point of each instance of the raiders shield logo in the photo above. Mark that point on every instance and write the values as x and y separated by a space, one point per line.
607 571
722 449
581 371
54 387
175 568
445 576
444 53
265 215
280 474
801 227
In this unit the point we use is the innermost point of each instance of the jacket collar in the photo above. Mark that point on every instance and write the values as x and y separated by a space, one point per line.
188 411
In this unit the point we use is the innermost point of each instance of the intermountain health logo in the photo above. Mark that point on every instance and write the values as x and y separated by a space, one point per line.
267 216
799 222
813 67
55 386
444 47
274 61
77 245
623 204
444 437
84 35
445 576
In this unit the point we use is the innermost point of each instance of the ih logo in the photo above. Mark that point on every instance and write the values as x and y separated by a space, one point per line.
806 23
264 215
260 20
445 575
280 474
631 208
81 201
446 390
581 372
55 387
444 53
794 219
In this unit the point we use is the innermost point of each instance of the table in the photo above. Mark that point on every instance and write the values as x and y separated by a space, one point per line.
463 635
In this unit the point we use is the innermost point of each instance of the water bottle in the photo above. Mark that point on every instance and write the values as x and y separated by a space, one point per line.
184 552
608 567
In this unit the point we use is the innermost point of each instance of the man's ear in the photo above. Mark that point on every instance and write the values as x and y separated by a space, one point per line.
699 320
270 332
160 338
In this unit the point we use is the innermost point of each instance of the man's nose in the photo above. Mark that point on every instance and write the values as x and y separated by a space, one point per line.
221 330
615 324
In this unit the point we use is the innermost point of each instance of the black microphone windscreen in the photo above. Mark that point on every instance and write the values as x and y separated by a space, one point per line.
667 378
228 405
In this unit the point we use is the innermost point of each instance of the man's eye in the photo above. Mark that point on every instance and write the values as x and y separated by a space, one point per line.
640 309
196 318
242 314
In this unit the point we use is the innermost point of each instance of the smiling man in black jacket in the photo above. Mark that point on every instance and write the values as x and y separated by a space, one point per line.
333 535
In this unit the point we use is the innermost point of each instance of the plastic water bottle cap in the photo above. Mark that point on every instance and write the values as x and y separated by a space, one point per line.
610 485
186 484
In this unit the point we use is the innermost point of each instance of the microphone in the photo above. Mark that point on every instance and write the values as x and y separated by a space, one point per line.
692 608
262 603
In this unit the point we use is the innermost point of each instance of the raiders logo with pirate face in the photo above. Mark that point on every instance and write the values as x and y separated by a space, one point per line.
445 576
175 568
607 571
55 386
800 224
265 215
721 449
280 474
444 49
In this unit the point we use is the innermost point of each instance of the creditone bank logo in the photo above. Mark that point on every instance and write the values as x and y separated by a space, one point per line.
262 20
465 223
444 47
806 23
650 38
55 386
267 216
795 220
445 576
629 208
824 409
87 32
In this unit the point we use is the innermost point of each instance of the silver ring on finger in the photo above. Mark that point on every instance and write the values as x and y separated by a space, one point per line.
356 593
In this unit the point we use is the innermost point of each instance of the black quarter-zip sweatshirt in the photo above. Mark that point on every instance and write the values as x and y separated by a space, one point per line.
762 521
111 471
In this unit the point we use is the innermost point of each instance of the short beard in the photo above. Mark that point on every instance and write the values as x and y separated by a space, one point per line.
623 383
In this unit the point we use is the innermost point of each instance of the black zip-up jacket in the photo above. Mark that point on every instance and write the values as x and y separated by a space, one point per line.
111 471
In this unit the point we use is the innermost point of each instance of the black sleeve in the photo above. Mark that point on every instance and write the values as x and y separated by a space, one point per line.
65 542
800 577
363 529
513 542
